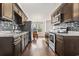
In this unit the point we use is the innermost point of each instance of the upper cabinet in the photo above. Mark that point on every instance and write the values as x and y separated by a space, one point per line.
24 18
71 12
9 10
15 8
6 11
19 11
66 12
76 12
57 16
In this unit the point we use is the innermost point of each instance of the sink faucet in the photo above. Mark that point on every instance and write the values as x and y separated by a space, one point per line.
14 28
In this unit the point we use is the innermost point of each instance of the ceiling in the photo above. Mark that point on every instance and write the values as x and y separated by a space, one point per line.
38 11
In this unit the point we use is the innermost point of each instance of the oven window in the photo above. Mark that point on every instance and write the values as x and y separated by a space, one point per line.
52 38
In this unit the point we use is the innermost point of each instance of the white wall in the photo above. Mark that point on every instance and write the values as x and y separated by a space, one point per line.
38 11
38 18
48 25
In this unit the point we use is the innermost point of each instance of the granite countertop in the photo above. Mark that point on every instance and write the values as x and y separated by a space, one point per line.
70 33
9 34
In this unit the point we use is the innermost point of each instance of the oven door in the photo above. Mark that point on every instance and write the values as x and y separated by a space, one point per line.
52 41
52 38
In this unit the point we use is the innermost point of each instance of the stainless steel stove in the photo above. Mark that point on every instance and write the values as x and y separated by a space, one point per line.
52 41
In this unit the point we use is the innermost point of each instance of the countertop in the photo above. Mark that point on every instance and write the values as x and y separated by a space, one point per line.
70 33
9 34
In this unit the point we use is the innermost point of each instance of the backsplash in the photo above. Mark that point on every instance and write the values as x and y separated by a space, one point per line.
7 26
72 26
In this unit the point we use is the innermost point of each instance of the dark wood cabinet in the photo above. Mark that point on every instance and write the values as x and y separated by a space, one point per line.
26 39
6 46
17 48
76 12
70 12
19 11
67 11
9 47
59 46
15 8
67 45
6 11
23 18
13 46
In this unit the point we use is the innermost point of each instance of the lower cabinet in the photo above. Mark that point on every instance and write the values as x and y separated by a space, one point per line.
6 46
67 45
59 46
17 49
9 47
22 37
13 46
17 46
20 47
26 39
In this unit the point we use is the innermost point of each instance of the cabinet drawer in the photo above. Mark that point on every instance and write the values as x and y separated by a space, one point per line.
59 37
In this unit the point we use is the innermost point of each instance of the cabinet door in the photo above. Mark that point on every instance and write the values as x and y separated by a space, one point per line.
15 8
59 47
68 11
18 49
7 10
23 43
76 11
22 17
26 40
20 13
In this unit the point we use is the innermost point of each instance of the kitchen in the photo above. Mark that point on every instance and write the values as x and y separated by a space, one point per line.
59 31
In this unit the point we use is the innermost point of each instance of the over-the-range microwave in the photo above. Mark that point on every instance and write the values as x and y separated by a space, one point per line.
58 19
